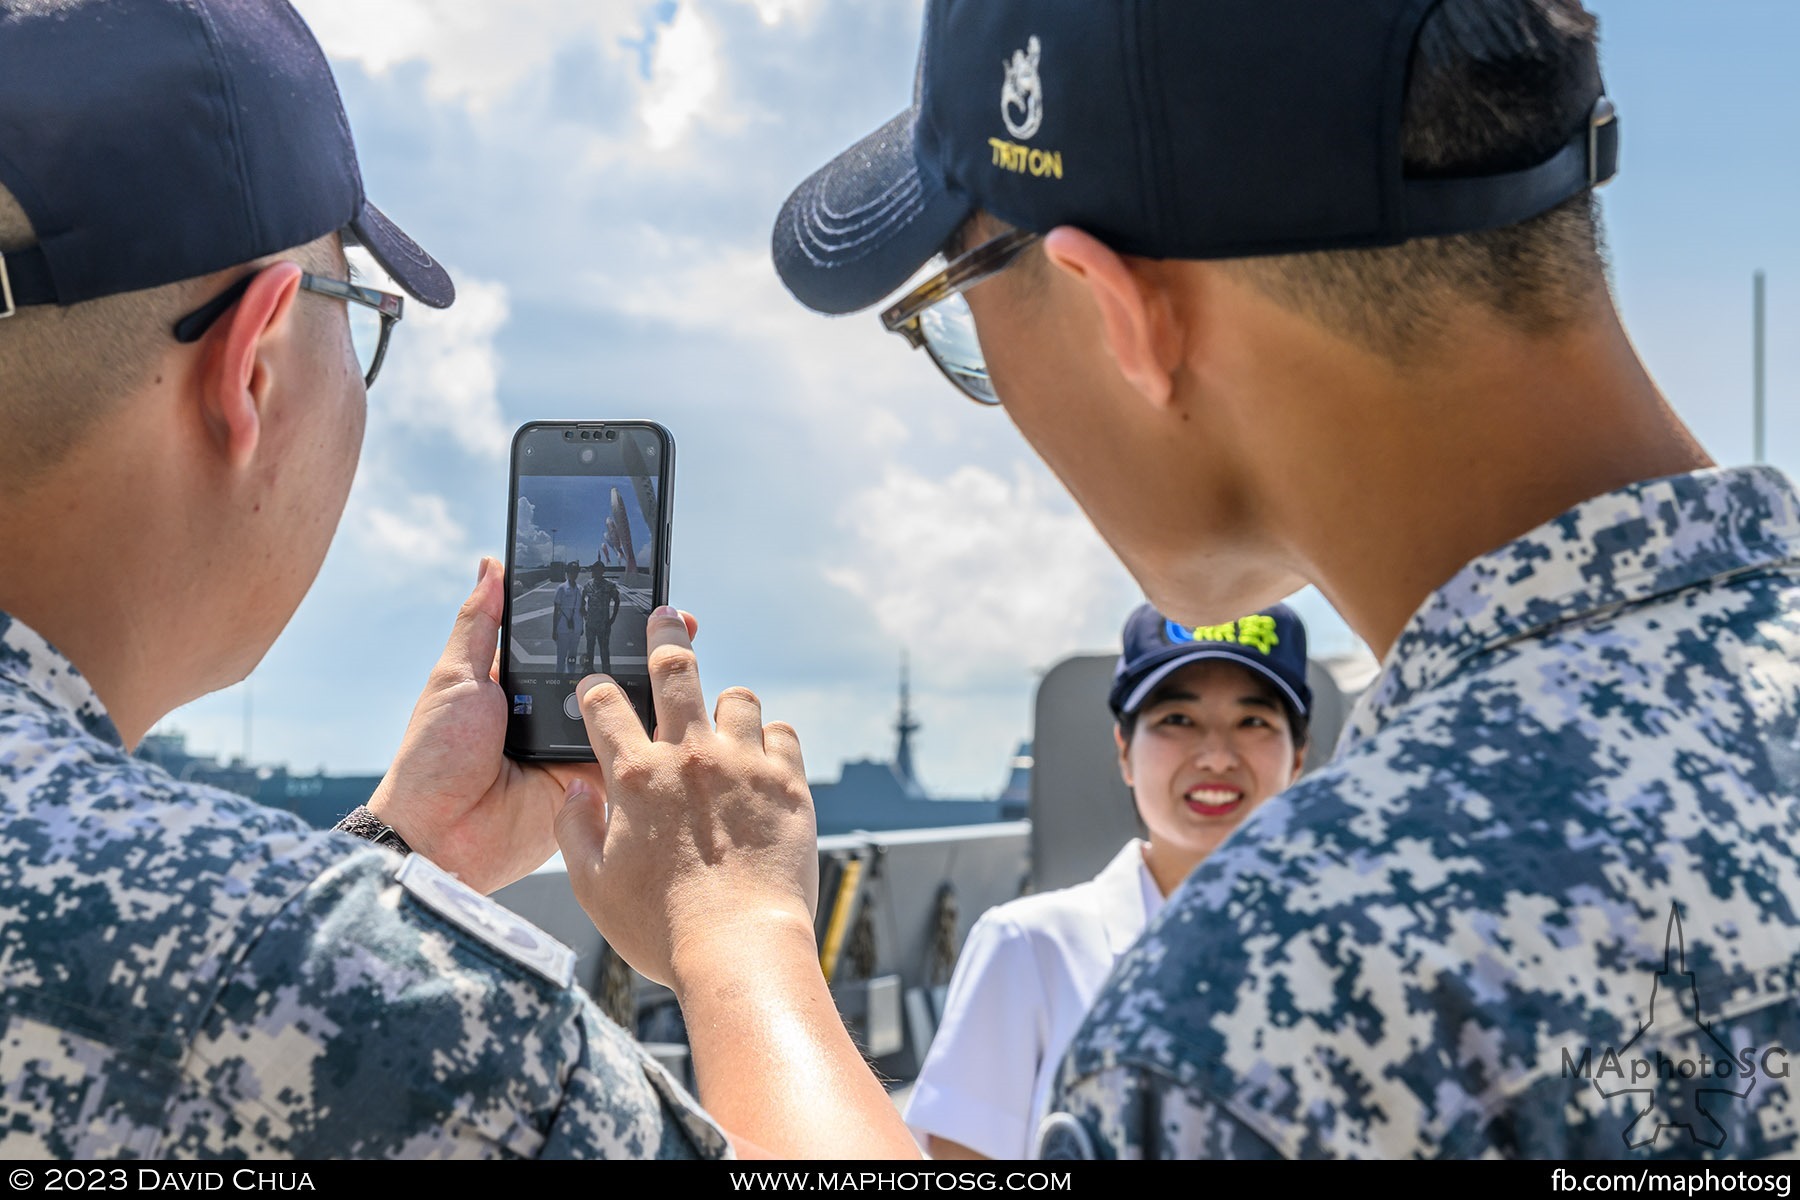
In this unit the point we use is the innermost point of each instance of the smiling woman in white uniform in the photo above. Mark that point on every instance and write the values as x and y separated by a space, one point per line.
1210 723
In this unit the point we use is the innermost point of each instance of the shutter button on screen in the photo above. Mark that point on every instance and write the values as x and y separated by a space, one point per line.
572 706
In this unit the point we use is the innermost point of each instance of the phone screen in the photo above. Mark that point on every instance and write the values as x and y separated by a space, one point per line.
587 562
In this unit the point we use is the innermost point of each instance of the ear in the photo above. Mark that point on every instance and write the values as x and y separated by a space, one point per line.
1135 313
1299 762
1124 754
237 374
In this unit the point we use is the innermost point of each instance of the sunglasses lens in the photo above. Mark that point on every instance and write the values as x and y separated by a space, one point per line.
365 335
949 331
368 331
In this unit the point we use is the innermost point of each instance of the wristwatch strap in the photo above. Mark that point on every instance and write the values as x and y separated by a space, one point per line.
366 825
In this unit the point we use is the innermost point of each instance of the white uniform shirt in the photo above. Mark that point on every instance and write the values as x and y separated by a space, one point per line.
1027 974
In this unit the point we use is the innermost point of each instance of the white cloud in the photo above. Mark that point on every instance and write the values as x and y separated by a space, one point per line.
709 290
684 78
531 545
694 284
478 55
416 534
774 12
987 578
474 53
443 371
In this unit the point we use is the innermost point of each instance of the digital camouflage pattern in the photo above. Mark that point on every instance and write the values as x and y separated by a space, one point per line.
1559 839
186 973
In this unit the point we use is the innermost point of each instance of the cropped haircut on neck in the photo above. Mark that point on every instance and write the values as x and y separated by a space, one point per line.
64 371
1493 86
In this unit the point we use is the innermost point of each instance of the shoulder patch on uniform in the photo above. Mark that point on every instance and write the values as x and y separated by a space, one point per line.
1061 1136
493 923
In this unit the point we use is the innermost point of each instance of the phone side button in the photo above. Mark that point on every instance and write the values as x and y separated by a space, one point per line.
572 706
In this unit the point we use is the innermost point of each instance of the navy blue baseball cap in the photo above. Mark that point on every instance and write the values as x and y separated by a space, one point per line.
1271 642
150 141
1165 128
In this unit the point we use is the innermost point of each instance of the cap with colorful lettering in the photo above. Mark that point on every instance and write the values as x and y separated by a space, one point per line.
1271 642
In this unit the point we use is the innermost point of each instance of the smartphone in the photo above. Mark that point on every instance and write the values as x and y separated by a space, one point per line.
589 516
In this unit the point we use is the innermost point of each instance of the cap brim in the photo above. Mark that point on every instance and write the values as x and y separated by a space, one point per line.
864 223
405 261
1140 691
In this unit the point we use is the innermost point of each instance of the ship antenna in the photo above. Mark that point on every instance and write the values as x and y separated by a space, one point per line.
905 727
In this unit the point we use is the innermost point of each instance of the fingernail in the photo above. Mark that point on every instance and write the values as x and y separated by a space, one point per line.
667 613
576 790
481 572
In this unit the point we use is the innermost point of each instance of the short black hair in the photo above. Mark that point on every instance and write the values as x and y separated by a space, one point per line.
1492 86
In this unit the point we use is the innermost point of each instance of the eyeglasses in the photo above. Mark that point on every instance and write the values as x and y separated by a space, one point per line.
934 316
373 314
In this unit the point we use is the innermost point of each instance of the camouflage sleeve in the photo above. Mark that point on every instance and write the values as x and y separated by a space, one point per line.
1131 1112
363 1024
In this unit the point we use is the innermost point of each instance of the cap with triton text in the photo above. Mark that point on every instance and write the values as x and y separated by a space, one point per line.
151 141
1271 642
1165 128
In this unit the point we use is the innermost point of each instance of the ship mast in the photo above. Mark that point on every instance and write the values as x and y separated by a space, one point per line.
905 727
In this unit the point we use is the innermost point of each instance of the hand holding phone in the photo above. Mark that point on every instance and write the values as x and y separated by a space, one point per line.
450 791
587 562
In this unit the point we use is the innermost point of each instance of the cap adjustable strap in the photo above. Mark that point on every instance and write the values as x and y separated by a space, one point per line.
1436 207
1602 142
24 280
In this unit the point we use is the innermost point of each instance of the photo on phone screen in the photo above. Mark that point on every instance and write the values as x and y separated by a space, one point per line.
586 565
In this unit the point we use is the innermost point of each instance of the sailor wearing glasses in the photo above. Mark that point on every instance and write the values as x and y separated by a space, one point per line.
1314 293
185 973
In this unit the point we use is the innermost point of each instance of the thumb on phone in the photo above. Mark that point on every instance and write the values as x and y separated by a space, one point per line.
474 644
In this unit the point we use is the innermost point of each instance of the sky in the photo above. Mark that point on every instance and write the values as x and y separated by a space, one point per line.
600 176
563 518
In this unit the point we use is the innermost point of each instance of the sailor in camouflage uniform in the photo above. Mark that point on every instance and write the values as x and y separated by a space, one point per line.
184 973
191 974
1314 293
1416 949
